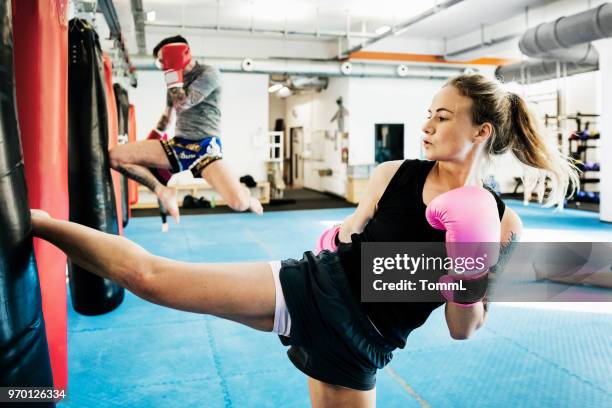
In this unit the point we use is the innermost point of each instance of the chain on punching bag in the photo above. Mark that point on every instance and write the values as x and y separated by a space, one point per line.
92 197
123 107
24 355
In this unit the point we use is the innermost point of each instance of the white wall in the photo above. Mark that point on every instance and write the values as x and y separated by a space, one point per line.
313 112
244 124
382 100
278 108
403 44
242 46
244 121
324 109
149 100
369 101
249 111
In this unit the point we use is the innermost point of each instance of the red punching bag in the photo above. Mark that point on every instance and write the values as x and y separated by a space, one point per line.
132 185
41 58
113 132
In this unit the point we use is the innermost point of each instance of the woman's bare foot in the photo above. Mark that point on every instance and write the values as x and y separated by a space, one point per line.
167 197
34 212
255 206
37 217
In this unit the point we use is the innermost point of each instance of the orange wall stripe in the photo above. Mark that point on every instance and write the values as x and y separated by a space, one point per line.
394 56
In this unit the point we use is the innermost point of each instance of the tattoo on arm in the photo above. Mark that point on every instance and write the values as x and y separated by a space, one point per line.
162 124
140 174
182 100
176 95
505 253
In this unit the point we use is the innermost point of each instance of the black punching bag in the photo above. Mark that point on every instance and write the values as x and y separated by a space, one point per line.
24 356
123 113
92 199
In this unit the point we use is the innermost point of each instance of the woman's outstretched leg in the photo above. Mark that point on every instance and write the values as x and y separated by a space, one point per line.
243 292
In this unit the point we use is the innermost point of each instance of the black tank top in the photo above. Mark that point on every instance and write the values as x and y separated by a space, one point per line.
400 217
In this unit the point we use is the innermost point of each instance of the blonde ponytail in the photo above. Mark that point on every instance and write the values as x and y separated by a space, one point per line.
515 130
530 149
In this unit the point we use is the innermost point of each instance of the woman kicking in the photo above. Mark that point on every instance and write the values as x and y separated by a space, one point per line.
314 303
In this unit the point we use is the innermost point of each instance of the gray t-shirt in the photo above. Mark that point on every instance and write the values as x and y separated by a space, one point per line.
199 115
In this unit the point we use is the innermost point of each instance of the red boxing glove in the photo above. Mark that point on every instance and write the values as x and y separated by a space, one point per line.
471 220
327 240
174 58
157 134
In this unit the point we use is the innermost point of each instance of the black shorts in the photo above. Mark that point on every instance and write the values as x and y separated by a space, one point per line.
332 339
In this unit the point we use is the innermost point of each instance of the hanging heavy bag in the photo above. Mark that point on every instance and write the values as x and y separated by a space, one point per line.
24 355
92 199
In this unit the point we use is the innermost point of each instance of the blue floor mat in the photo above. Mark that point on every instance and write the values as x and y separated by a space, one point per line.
144 355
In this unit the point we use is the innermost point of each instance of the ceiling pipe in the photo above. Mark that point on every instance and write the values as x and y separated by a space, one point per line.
138 14
400 28
112 20
110 15
566 32
562 42
581 54
319 68
264 31
532 71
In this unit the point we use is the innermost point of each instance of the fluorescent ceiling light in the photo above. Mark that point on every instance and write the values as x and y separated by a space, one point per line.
151 16
275 87
382 29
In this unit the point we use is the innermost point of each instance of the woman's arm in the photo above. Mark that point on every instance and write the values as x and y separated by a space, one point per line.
380 178
463 322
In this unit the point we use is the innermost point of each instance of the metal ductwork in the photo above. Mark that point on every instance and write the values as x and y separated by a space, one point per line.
138 14
580 54
540 70
567 32
280 33
305 83
319 68
565 43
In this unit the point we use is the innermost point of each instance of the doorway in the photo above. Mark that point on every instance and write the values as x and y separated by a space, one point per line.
294 177
388 142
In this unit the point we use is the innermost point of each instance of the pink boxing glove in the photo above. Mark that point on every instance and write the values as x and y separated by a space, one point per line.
470 217
327 240
174 58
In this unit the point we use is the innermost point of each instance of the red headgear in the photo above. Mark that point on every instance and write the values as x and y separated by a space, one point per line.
174 56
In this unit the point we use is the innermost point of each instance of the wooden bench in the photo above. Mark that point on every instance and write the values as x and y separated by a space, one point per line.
146 199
